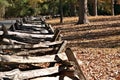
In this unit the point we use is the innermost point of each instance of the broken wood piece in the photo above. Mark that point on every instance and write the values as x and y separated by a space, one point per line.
28 59
21 75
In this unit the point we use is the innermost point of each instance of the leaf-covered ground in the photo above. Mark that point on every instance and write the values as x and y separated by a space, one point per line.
97 44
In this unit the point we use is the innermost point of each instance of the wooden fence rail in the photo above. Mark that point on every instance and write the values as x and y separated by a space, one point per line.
62 63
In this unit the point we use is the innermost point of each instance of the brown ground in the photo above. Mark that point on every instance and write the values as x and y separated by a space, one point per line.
97 44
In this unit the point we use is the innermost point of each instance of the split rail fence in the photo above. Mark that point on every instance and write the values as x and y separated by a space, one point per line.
32 50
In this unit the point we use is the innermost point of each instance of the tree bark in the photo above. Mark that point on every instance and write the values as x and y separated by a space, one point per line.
95 8
61 11
112 7
82 12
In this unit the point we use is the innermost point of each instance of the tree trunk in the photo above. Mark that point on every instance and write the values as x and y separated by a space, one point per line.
95 8
61 11
112 7
82 12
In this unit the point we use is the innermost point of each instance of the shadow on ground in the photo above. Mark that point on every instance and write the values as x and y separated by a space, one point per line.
96 44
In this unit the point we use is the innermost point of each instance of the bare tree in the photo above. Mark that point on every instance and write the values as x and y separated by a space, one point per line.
82 12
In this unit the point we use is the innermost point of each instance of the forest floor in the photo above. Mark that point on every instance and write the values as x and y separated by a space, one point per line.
96 44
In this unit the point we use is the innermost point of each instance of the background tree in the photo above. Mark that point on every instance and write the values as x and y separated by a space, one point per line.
20 8
61 11
3 5
104 7
94 7
112 7
34 4
70 7
53 7
82 12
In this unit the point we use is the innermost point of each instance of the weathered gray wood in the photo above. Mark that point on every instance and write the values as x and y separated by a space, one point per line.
10 41
63 75
32 32
42 28
71 57
30 46
28 59
59 50
23 35
53 78
33 29
4 29
20 75
53 43
9 74
62 47
56 35
27 52
51 28
35 25
27 46
37 22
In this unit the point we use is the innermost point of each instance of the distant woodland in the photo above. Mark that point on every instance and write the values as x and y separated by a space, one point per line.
53 8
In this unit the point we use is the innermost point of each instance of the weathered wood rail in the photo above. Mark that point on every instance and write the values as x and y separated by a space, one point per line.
63 70
61 61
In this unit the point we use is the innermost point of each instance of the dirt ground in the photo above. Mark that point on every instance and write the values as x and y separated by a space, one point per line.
96 44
